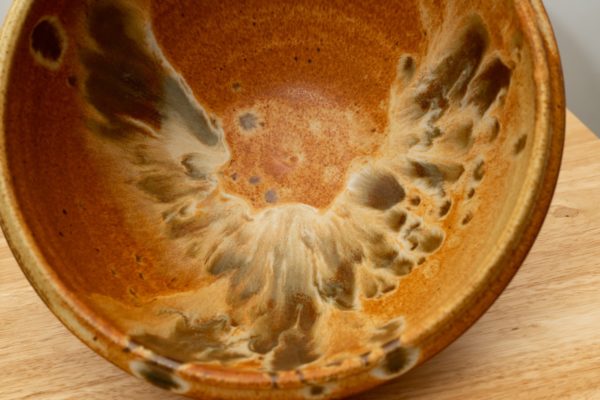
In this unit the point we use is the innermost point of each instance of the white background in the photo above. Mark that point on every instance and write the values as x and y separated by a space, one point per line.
577 27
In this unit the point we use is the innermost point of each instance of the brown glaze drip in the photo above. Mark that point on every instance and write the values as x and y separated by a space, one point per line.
494 77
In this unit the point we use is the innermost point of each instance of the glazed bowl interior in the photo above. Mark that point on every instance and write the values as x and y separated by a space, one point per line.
264 194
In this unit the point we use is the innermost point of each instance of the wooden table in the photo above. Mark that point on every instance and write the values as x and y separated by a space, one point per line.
540 340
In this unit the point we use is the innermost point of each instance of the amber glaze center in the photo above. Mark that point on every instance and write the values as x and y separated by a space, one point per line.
295 146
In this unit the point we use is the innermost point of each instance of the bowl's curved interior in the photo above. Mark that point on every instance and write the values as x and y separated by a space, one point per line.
271 186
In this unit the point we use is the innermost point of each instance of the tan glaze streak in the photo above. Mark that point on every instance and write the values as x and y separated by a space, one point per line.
281 196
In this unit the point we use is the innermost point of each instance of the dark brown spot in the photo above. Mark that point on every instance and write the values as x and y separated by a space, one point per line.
402 266
396 220
236 86
479 171
382 191
46 40
471 193
386 285
520 145
414 243
415 201
412 228
408 66
254 180
488 84
248 121
395 361
494 130
431 242
445 208
317 390
467 218
271 196
159 376
383 254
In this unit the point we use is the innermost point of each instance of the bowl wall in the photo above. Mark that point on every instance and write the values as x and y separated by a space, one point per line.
280 200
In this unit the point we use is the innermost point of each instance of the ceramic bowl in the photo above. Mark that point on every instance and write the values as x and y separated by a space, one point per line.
283 200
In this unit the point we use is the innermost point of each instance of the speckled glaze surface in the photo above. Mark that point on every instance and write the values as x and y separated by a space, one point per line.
279 200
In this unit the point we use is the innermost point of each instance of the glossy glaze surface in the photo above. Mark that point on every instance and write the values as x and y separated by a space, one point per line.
302 197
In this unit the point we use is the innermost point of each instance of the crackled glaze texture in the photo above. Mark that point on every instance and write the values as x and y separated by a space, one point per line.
273 188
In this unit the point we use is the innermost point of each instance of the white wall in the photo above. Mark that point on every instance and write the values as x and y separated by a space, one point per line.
577 28
578 31
4 4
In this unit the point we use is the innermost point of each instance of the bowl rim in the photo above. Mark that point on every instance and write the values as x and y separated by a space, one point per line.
519 233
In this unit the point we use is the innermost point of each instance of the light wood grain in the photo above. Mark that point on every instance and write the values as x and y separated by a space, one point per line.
541 340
